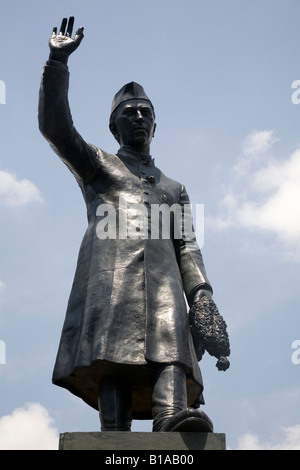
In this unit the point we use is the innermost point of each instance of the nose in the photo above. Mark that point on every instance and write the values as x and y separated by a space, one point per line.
139 115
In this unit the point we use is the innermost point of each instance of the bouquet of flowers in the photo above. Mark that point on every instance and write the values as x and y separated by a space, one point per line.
209 331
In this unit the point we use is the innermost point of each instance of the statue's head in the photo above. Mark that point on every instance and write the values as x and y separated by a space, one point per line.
132 119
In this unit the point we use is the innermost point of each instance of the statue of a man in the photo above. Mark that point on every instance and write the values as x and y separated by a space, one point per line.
126 347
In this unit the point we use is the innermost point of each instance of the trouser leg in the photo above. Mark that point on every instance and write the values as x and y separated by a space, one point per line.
169 393
169 403
114 404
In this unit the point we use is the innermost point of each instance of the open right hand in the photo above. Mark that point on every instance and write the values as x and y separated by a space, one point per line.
62 45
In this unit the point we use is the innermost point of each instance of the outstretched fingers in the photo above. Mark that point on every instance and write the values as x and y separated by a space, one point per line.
66 27
65 31
63 26
79 34
70 26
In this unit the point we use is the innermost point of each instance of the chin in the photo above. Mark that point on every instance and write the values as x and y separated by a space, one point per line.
140 143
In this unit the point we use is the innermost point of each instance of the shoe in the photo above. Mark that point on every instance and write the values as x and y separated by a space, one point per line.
189 420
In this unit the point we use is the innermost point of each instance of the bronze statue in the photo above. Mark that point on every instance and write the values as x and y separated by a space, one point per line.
127 347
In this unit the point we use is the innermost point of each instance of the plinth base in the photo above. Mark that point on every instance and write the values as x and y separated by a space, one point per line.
142 441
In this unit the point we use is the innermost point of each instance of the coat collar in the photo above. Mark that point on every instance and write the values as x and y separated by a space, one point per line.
139 157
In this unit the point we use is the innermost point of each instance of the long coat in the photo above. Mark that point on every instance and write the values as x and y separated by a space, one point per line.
127 305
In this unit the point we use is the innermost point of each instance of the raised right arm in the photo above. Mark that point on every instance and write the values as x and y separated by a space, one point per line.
55 120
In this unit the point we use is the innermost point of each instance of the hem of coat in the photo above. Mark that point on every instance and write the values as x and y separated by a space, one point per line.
84 377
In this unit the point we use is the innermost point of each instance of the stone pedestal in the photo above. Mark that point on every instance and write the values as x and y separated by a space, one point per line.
127 441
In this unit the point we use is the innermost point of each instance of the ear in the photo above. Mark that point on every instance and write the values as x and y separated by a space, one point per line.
154 129
113 130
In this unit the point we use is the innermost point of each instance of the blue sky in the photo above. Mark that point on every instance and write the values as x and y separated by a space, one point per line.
220 77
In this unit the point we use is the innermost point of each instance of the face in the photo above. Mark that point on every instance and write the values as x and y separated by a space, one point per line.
134 124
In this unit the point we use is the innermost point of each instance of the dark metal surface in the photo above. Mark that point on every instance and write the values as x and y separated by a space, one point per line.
127 310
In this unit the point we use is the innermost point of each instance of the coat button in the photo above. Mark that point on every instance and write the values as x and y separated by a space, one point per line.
151 179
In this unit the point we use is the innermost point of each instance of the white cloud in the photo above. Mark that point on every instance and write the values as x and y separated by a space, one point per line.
265 198
254 146
279 210
290 440
258 142
28 428
17 192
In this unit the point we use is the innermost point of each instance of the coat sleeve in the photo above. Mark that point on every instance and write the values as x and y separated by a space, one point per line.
56 124
189 256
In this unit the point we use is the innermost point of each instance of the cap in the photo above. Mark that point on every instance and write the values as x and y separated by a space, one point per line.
130 91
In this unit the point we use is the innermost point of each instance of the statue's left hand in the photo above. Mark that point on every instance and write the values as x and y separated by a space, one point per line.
210 330
62 45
